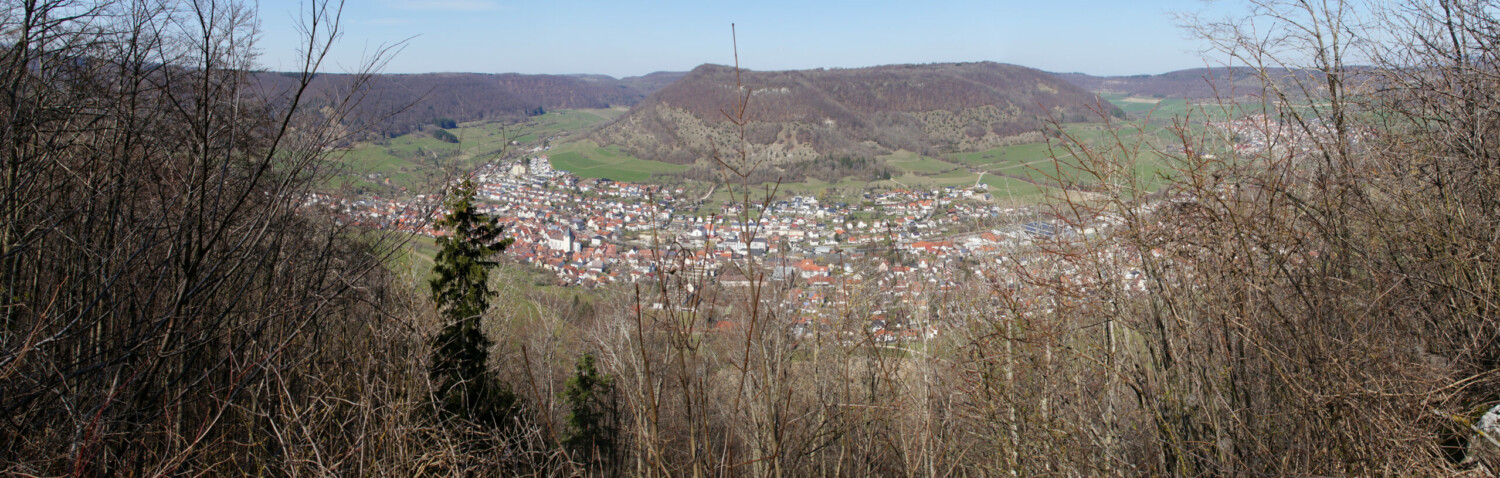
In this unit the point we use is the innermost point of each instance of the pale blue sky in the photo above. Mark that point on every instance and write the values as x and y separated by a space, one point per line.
627 38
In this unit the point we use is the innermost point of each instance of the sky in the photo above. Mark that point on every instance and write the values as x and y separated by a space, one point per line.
628 38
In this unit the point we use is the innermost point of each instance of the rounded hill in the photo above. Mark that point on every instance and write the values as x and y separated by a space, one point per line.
862 112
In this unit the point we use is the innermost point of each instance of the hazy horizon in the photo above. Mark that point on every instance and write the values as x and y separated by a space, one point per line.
620 40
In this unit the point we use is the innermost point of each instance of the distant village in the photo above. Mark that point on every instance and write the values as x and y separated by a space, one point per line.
1255 134
907 244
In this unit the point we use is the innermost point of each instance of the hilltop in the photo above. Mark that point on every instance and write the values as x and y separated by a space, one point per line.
396 104
1193 83
862 113
1219 82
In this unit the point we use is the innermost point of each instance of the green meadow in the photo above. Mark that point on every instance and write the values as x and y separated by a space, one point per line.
587 159
1023 172
417 160
908 161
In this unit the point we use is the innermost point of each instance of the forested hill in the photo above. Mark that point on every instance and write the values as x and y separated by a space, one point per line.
1218 82
395 104
1195 83
861 112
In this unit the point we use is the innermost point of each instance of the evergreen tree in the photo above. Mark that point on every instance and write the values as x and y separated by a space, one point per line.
444 136
460 288
591 414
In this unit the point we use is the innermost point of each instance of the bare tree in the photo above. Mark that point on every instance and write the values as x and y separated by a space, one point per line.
170 303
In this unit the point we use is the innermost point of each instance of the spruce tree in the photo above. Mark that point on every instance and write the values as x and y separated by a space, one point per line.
591 414
461 291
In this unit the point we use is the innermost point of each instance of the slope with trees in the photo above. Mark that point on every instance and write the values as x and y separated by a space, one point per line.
393 104
864 112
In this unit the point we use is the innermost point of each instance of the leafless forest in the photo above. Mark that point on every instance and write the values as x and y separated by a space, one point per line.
860 112
1328 305
400 104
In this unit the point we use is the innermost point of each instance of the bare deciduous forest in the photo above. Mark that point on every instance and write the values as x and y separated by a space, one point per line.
860 112
1326 305
393 105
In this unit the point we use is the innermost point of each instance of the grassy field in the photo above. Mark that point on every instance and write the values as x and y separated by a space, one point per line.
964 170
1167 109
1157 108
1010 189
487 137
589 160
405 161
417 160
564 122
913 163
1020 153
1001 187
1045 164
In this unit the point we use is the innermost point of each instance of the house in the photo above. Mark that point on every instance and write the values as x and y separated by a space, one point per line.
562 241
807 268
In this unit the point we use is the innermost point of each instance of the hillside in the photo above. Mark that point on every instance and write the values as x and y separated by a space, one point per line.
395 104
651 82
1210 83
1195 83
861 113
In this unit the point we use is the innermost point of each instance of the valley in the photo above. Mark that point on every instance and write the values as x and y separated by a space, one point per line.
329 238
590 213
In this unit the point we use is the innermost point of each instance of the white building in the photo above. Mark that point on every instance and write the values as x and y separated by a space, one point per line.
541 166
561 241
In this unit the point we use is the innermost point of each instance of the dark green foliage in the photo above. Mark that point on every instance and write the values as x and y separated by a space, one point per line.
460 288
445 123
444 136
592 429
